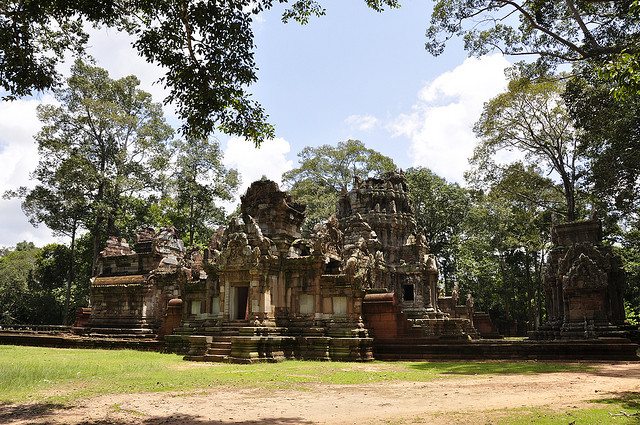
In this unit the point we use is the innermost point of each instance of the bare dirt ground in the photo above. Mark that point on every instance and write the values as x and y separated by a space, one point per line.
455 399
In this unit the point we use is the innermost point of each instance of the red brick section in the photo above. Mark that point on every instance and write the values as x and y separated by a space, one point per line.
382 316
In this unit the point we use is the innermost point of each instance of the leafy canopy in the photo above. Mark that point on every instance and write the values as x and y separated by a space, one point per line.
200 182
205 47
440 209
326 171
557 31
531 118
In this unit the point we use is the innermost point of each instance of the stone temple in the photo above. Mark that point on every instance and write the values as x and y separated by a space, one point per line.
584 283
261 291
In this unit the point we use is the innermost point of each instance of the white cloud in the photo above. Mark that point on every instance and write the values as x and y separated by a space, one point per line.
19 157
361 122
269 160
440 123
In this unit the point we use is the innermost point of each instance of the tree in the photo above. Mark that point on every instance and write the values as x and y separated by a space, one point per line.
105 142
199 183
610 139
32 285
48 292
504 241
440 210
59 201
558 31
326 171
206 48
16 268
629 251
531 117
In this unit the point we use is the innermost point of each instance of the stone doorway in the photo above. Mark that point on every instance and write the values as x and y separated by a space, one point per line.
240 303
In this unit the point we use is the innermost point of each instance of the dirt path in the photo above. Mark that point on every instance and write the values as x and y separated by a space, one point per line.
462 399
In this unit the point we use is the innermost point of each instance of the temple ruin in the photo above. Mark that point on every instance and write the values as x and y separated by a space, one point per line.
584 284
261 291
362 283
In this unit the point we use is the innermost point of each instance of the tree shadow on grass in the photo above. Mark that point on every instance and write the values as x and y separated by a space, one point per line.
176 419
43 413
627 399
618 373
15 412
498 367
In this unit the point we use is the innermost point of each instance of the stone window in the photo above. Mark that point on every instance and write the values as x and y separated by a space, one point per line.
340 306
215 305
306 304
196 306
407 292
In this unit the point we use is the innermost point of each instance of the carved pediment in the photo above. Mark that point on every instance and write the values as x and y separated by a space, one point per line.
584 275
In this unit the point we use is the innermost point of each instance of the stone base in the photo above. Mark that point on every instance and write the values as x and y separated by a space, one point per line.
177 344
445 329
252 349
421 349
584 331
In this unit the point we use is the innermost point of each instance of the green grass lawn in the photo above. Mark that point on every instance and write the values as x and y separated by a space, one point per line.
63 375
621 410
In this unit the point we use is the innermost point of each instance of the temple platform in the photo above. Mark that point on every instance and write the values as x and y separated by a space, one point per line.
218 349
505 349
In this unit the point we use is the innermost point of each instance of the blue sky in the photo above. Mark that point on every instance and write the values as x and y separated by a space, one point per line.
353 73
353 61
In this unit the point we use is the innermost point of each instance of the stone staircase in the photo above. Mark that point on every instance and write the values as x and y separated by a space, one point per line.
219 350
233 328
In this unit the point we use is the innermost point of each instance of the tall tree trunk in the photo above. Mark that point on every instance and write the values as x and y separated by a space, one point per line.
540 290
569 195
96 233
191 222
71 274
530 289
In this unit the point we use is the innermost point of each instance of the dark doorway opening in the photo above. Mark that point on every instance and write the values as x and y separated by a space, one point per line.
242 298
407 292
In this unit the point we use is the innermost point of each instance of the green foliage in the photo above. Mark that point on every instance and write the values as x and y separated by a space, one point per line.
102 146
199 182
504 242
440 209
558 31
52 267
532 118
32 283
624 72
205 47
16 273
629 251
29 373
326 171
610 140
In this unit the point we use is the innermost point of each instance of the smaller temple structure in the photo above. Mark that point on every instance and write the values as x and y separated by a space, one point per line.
133 286
583 283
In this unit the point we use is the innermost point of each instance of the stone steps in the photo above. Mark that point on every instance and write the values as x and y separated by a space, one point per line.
220 349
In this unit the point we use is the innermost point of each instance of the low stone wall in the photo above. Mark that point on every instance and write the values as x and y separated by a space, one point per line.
594 349
75 341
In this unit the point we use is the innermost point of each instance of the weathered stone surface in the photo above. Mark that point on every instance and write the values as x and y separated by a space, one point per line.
273 293
583 284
